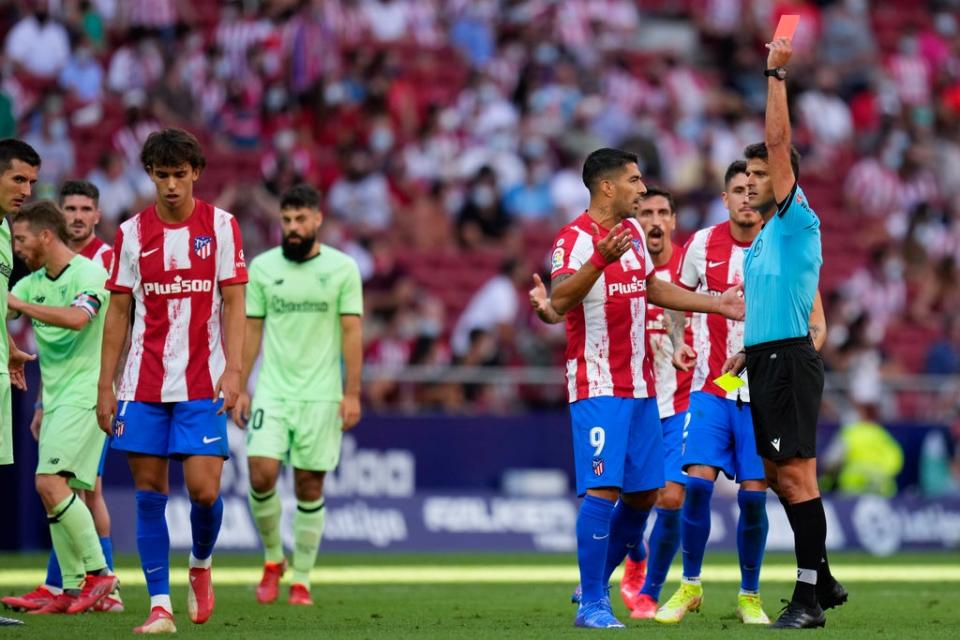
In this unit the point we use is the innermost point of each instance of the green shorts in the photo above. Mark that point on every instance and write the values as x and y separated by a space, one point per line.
306 435
70 444
6 421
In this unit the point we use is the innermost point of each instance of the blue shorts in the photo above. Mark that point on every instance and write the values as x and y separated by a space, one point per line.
171 429
674 429
103 457
720 435
617 442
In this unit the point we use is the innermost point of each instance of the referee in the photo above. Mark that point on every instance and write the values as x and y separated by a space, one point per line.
781 273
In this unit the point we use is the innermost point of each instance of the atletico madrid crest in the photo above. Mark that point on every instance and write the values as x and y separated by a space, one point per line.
203 246
598 466
118 428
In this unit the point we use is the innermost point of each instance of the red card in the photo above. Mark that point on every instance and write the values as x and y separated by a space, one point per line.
787 27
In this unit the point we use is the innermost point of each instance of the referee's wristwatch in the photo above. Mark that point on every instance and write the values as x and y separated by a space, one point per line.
780 73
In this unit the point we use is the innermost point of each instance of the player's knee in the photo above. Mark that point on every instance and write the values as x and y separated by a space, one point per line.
48 487
204 497
262 482
670 497
308 487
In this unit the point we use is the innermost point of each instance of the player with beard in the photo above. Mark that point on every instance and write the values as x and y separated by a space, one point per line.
301 406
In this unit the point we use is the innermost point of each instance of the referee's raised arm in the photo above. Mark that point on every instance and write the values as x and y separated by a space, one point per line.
777 128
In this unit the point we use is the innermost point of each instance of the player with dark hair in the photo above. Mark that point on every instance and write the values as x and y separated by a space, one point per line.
602 281
302 404
63 298
19 165
781 272
181 261
79 203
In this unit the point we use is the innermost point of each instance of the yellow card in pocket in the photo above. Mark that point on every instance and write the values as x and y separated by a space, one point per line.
729 382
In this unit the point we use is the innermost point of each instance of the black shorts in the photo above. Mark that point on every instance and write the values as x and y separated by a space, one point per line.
786 385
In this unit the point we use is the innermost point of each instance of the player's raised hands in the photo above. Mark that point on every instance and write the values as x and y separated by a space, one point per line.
611 246
780 51
229 386
684 358
730 303
106 408
241 410
349 411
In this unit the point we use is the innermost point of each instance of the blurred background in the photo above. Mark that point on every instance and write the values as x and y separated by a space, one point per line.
447 138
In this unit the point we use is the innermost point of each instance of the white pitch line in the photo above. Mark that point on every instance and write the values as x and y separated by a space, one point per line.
428 574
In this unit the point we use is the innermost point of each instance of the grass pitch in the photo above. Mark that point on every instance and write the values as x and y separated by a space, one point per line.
495 595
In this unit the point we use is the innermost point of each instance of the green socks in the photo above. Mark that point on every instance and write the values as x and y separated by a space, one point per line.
266 510
307 530
75 541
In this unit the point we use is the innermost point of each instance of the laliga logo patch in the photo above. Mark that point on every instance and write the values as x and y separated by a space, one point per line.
556 261
598 466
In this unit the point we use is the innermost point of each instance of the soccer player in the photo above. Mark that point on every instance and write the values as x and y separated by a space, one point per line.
19 165
781 271
301 406
601 282
667 331
79 201
181 261
63 298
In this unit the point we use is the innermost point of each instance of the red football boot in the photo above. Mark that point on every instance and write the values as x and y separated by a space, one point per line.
39 597
60 604
300 595
634 574
95 589
269 587
159 621
200 596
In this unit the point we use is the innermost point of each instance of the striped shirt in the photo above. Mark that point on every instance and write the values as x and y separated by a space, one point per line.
606 342
175 273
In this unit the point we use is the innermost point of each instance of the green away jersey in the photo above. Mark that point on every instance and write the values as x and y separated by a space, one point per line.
6 268
69 360
301 304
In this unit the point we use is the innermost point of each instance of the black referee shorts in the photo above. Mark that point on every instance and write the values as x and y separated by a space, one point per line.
786 384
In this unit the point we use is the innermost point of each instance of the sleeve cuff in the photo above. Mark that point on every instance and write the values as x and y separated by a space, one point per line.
783 206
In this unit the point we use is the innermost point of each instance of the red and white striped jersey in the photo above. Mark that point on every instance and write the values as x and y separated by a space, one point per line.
606 346
175 272
673 386
712 264
100 252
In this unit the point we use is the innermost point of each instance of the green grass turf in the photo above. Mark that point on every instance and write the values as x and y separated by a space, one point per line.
876 610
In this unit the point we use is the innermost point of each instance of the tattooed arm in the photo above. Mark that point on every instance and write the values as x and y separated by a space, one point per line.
818 323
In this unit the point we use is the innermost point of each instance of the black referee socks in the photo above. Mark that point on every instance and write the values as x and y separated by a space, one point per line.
810 536
825 578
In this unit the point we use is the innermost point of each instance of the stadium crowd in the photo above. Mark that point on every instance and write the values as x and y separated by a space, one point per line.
446 137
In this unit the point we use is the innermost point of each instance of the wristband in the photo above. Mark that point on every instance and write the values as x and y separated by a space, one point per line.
597 260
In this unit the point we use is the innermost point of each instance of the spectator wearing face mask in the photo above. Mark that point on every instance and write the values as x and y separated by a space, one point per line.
482 219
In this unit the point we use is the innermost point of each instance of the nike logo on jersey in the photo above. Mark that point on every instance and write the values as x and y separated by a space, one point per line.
149 253
713 264
776 443
596 537
154 570
207 440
